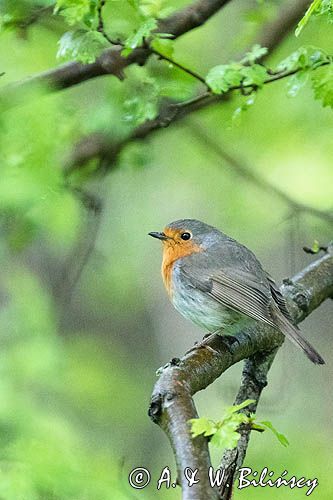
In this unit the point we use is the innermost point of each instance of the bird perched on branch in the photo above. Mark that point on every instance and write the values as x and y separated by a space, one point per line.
220 285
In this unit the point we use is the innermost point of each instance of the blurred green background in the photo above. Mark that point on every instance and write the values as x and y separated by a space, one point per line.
79 351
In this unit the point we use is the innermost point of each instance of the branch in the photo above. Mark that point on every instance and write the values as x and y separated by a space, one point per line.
101 144
172 404
111 61
275 31
245 172
254 380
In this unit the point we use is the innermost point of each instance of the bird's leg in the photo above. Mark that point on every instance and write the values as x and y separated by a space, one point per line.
172 362
204 343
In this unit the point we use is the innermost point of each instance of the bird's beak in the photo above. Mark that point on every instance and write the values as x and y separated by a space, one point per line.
159 236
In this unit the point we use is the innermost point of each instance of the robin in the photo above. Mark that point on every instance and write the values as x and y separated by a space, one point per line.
220 285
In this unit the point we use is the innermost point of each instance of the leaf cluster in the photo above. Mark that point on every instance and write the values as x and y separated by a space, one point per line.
224 433
316 8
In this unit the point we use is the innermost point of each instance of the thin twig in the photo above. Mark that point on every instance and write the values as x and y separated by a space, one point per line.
180 66
82 250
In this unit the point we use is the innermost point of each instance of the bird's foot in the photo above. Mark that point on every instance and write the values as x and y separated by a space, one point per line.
203 344
172 362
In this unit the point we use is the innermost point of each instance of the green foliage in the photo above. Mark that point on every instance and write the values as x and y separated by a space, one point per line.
304 58
81 45
225 77
142 101
143 31
322 83
247 73
155 8
256 53
267 424
33 200
163 45
76 11
224 433
248 103
319 8
302 62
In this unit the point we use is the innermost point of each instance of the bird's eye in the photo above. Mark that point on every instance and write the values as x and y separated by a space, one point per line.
186 236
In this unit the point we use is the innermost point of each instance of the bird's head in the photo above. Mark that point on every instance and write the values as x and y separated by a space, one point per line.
186 236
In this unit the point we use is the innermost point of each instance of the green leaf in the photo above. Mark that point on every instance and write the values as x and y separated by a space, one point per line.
281 437
142 105
296 82
155 8
163 46
305 19
322 84
201 426
226 437
315 247
221 78
244 404
257 52
81 45
75 11
303 58
237 114
327 9
136 40
318 8
254 75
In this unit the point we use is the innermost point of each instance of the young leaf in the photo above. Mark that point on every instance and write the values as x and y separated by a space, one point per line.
254 75
163 46
155 8
303 58
305 19
237 114
281 437
235 408
83 46
322 84
135 40
226 437
296 82
257 52
202 426
221 78
75 11
142 104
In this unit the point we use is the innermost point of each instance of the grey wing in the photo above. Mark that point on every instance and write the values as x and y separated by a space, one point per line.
237 289
240 291
278 297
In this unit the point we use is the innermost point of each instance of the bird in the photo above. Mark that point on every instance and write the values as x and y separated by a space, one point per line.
219 284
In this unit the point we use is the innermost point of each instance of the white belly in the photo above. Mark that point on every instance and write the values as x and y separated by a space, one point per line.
203 310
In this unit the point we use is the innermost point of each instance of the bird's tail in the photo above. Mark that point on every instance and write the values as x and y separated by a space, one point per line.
294 334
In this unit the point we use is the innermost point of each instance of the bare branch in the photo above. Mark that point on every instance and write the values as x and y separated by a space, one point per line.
168 115
274 32
172 404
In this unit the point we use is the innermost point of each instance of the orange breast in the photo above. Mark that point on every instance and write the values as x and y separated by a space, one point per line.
171 253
